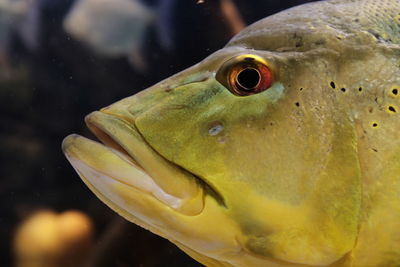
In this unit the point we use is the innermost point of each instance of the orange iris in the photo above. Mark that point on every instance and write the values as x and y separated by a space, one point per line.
245 75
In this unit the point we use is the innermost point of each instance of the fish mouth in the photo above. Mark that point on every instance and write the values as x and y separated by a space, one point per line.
124 157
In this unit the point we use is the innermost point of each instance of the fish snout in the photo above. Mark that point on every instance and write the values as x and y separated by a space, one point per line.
174 186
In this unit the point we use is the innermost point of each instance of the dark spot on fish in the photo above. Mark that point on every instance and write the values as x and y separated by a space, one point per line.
343 90
374 149
375 34
301 89
320 42
333 85
370 109
356 20
392 109
297 104
360 89
298 40
374 125
271 123
395 91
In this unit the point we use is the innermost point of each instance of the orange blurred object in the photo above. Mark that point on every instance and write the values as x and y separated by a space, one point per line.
48 239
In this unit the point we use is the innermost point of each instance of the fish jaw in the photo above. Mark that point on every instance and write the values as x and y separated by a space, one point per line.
116 176
117 169
126 158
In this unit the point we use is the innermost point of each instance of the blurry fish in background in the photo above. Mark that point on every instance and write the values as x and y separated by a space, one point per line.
164 23
28 26
116 28
21 17
48 239
11 11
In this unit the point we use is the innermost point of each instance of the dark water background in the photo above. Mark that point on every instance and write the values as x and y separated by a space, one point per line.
55 85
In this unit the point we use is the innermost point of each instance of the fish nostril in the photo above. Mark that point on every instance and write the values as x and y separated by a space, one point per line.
215 129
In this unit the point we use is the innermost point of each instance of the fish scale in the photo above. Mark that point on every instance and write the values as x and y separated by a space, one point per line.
382 18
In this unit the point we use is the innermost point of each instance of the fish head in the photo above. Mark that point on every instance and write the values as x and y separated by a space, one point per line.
247 158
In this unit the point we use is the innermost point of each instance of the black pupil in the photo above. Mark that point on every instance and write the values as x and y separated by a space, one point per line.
248 78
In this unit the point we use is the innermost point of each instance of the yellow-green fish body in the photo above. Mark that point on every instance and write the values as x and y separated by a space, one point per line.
281 149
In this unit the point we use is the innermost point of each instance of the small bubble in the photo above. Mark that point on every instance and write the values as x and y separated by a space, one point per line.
216 129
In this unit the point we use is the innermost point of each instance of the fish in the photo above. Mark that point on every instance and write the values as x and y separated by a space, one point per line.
280 149
117 28
17 18
11 12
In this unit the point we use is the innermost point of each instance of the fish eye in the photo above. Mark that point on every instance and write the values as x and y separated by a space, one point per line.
245 75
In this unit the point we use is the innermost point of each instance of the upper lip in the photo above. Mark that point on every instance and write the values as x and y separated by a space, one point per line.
122 135
99 130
